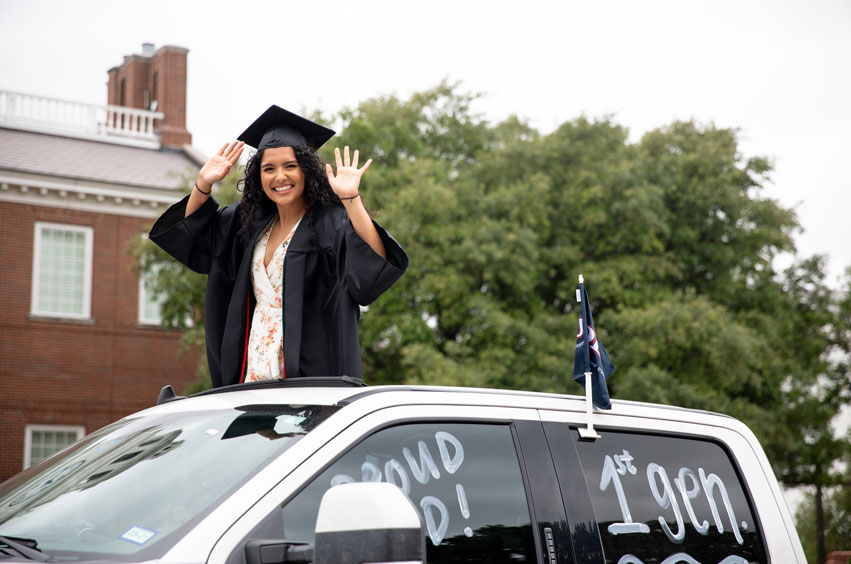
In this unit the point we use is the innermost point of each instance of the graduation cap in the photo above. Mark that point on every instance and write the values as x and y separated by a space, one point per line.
277 127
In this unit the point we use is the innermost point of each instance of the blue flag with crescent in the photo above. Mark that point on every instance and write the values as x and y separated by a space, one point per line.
591 356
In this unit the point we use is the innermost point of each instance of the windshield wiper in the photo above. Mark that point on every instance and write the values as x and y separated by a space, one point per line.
27 552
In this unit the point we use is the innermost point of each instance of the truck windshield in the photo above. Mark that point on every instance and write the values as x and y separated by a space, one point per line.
131 490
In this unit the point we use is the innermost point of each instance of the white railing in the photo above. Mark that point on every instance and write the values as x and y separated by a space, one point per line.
114 124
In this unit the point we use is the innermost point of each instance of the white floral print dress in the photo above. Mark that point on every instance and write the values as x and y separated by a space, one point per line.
266 340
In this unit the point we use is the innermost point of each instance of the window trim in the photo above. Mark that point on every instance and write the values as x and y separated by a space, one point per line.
140 306
539 474
147 322
32 428
88 254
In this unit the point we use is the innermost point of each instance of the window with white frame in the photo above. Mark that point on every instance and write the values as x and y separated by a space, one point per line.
150 304
43 441
62 270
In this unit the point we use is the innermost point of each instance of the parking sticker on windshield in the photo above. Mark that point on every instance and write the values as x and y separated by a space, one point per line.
105 445
138 535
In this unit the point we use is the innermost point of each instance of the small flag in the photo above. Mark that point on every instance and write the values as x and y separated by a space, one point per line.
590 355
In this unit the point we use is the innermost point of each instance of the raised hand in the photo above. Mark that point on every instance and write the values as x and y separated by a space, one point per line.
346 181
220 164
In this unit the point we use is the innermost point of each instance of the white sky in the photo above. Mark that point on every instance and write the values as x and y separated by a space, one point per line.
778 70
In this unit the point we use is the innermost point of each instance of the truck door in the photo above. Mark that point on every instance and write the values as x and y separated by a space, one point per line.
465 477
660 497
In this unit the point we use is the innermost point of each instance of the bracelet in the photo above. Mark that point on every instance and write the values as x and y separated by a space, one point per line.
350 199
205 193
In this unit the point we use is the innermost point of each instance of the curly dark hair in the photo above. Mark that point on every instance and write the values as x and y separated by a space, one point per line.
317 191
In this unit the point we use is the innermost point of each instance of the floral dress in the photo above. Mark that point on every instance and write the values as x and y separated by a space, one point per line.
266 340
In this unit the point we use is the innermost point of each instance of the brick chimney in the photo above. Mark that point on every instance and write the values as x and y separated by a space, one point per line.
154 80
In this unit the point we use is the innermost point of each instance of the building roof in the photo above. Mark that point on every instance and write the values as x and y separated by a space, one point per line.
82 159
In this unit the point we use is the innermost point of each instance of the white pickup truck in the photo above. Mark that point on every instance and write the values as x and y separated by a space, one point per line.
236 476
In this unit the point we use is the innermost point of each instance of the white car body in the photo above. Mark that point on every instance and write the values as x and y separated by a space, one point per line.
364 411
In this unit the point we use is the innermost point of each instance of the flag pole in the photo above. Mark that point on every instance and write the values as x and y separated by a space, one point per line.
588 432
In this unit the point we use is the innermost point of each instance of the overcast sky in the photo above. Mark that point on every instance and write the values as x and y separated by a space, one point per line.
778 70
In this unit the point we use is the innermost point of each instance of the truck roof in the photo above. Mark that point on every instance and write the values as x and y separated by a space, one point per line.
346 391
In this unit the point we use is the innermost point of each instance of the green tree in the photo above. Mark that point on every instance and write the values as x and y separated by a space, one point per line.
836 530
823 460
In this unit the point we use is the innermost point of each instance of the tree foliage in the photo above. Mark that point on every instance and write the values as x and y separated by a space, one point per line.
837 519
675 235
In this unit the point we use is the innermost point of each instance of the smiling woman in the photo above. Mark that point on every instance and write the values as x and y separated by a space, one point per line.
291 263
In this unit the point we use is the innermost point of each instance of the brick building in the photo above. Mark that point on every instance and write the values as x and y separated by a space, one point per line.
80 342
839 557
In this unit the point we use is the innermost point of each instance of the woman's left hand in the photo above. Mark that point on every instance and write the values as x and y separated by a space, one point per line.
346 181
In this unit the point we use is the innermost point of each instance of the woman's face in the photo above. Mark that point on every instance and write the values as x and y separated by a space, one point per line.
281 176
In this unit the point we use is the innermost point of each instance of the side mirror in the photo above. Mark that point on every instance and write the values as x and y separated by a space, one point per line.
368 522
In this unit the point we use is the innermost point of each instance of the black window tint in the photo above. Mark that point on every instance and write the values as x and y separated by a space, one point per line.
464 479
656 496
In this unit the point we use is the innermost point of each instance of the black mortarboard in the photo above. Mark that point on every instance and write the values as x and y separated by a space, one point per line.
277 127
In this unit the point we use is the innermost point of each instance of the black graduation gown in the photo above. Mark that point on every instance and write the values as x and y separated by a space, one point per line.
323 286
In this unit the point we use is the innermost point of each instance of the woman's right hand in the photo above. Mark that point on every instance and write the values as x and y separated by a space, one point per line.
219 165
213 170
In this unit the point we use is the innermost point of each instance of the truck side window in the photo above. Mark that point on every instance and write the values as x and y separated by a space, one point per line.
464 478
656 496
